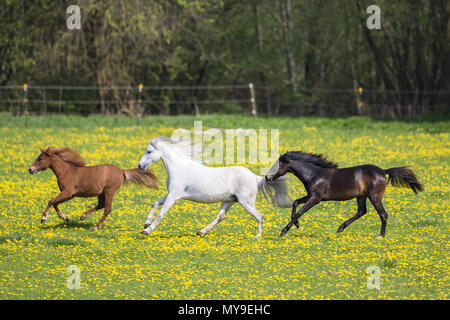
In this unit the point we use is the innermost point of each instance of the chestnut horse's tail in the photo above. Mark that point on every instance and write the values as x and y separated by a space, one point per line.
141 178
403 177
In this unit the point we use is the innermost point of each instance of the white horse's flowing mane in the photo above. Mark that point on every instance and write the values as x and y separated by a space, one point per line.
184 147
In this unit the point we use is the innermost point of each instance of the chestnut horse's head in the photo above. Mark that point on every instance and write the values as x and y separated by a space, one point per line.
41 163
44 160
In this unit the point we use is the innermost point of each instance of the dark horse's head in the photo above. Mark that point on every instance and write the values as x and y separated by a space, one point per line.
290 162
44 160
279 168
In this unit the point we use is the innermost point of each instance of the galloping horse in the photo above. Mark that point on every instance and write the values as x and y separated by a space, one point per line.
189 179
75 179
324 181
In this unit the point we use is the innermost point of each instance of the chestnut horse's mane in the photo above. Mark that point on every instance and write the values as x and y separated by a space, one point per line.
68 155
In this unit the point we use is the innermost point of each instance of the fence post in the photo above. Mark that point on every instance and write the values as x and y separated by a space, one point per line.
60 97
360 100
25 101
252 99
45 101
141 86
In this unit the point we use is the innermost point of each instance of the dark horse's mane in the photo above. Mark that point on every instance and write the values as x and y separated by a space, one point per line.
315 159
69 155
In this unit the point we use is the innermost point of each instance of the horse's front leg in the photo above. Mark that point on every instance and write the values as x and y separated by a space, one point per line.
60 214
224 207
311 202
168 202
155 206
60 198
294 208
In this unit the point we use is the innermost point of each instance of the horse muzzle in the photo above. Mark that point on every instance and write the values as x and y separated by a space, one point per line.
31 171
142 166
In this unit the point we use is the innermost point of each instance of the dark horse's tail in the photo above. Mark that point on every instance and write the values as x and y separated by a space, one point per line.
404 177
141 177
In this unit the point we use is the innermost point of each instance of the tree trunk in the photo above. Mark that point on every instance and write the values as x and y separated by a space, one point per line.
259 41
285 12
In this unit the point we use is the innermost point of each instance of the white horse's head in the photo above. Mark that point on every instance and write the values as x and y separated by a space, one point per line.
158 147
152 154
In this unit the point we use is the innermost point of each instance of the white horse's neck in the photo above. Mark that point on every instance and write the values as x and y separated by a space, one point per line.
176 162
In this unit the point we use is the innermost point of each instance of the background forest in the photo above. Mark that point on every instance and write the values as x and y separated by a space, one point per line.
194 57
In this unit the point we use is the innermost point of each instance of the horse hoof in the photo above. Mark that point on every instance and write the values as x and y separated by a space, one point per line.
146 225
82 217
380 237
144 232
283 233
200 233
96 228
43 220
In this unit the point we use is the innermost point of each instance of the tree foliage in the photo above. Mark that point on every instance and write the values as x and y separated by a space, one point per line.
304 57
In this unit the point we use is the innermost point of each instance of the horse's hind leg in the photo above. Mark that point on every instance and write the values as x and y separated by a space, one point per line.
362 210
100 205
383 216
222 212
256 214
108 205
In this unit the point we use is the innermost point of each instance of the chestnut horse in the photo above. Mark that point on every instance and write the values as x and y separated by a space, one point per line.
324 181
75 179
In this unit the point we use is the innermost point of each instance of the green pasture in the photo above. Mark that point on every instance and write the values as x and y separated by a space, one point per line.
312 262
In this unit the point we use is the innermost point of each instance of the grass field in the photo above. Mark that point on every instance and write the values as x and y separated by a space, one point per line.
312 262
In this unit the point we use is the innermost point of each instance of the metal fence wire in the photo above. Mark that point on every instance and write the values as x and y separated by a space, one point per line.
242 98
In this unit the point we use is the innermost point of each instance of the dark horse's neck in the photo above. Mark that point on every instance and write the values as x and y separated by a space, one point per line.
305 171
59 166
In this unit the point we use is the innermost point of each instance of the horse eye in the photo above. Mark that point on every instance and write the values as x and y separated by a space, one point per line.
148 151
39 159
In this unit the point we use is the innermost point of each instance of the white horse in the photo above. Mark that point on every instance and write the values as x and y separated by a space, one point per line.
189 179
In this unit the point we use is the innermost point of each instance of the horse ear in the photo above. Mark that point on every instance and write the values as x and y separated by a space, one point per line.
51 150
44 151
176 139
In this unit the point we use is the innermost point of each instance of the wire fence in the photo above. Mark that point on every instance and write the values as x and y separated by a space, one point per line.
131 100
241 98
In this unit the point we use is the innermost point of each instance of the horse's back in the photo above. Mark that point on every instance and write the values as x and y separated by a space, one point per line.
350 182
217 184
95 179
366 169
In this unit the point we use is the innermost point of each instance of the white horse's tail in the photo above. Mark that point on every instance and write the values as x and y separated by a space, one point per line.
279 185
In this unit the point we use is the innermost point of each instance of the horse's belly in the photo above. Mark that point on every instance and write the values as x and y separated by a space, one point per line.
208 196
86 194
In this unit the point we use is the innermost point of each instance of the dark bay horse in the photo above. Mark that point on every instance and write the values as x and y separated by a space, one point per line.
324 181
75 179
